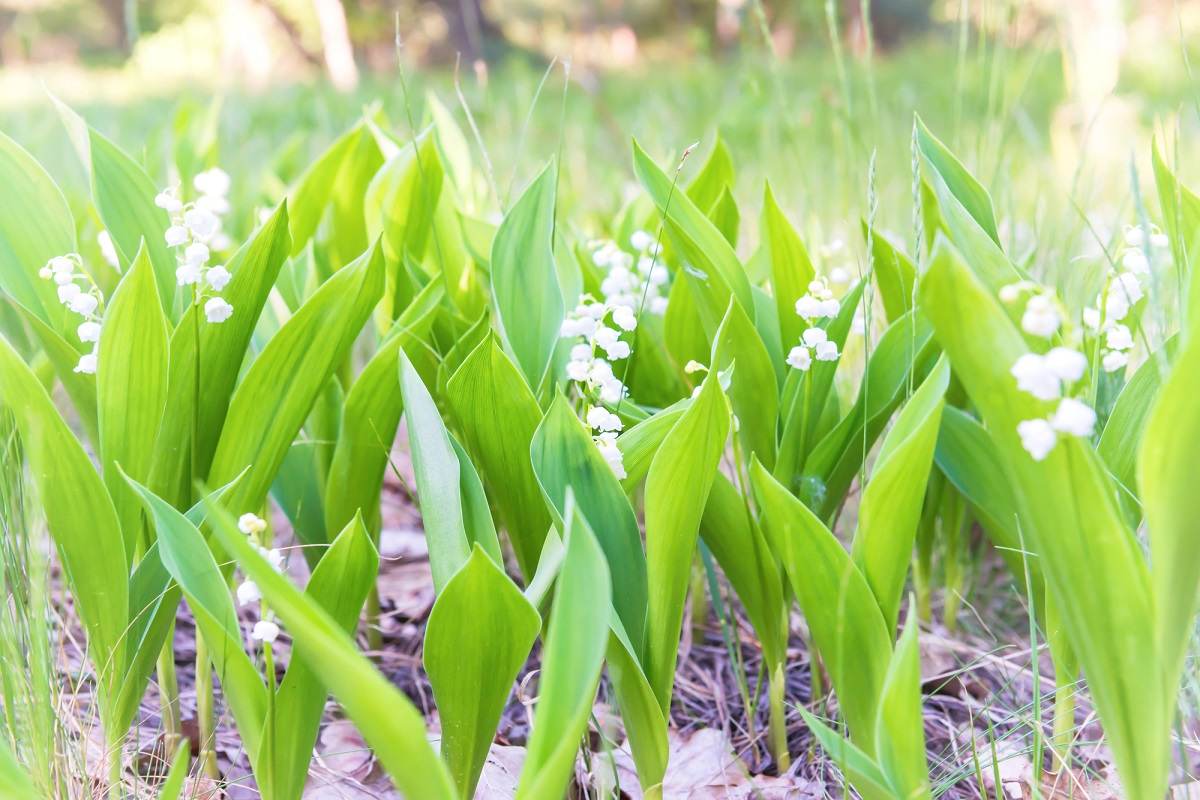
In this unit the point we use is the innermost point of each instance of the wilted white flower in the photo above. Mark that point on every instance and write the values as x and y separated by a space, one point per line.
799 358
1073 417
247 593
251 524
87 364
1041 316
89 331
1035 376
265 631
218 277
1037 437
217 310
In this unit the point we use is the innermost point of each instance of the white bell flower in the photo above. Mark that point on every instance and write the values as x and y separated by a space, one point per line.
218 277
68 292
213 181
827 351
87 364
814 336
1119 338
1135 261
1035 376
176 235
247 593
1041 317
1074 417
799 358
265 631
89 331
1037 437
108 248
251 524
167 201
641 241
201 222
1067 365
187 274
217 310
1114 360
624 318
83 304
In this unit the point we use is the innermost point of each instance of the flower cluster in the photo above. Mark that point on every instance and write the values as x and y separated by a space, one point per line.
195 231
1122 291
265 630
628 278
1043 314
1045 377
592 373
65 271
818 303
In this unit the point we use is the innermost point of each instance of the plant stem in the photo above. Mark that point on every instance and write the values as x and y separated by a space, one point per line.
1064 727
168 693
204 709
776 689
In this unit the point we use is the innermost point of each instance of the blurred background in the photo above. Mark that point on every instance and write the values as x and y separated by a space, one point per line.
816 95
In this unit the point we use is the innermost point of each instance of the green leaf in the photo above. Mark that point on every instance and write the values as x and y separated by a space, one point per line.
752 385
370 417
571 661
1095 573
35 227
529 305
309 198
568 465
280 387
435 466
677 488
388 721
845 621
645 721
894 272
173 785
791 268
339 584
865 775
479 634
900 734
78 512
15 782
724 214
699 240
497 415
1166 472
961 183
124 197
222 349
892 500
131 382
713 178
188 558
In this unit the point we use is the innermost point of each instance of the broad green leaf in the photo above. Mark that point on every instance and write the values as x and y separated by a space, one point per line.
845 621
1181 217
79 514
700 241
571 660
791 268
124 197
713 178
172 787
15 782
370 416
752 385
677 488
737 542
892 499
725 215
188 558
529 304
900 734
435 465
645 721
388 721
683 330
906 346
339 584
961 183
35 227
347 221
894 272
131 383
496 413
1094 571
64 356
568 464
309 198
274 398
1166 472
479 634
222 348
865 775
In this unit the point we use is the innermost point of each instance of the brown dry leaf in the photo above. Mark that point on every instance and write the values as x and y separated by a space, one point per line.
406 589
1011 763
498 780
200 787
1186 791
403 543
344 752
